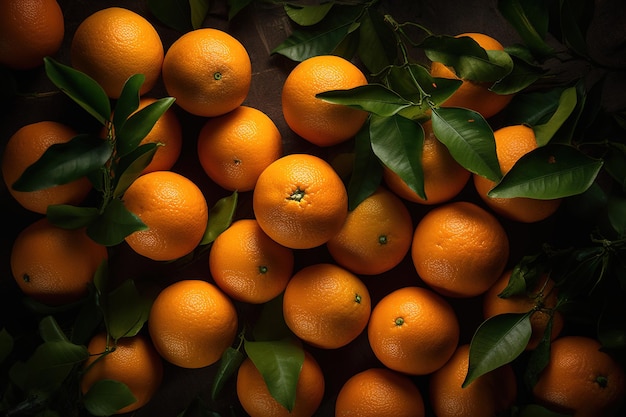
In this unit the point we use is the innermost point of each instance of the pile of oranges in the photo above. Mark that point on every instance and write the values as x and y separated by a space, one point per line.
398 284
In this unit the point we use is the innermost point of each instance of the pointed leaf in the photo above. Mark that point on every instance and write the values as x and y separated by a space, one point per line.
199 11
307 15
377 43
367 171
373 98
126 311
567 104
540 356
530 20
71 217
140 124
522 75
532 108
174 13
50 331
52 362
128 102
270 325
552 171
229 364
131 166
106 397
114 224
220 217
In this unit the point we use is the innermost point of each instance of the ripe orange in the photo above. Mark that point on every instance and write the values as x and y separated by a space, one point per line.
132 361
326 305
581 379
300 201
378 392
174 210
542 298
115 43
236 147
488 395
444 178
320 122
513 142
192 323
208 72
249 266
413 330
376 236
459 249
23 149
474 95
30 30
257 401
55 266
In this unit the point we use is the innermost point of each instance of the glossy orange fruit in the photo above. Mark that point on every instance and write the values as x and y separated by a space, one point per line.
320 122
413 330
326 305
192 322
459 249
300 201
208 71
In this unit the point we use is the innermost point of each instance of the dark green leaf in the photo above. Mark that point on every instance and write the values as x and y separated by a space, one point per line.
270 324
140 124
540 357
373 98
126 311
367 171
84 90
377 42
307 15
279 362
87 322
235 6
131 166
617 214
552 171
50 331
532 108
469 138
228 366
349 45
128 102
6 344
71 217
398 143
220 217
106 397
535 410
530 20
521 76
526 272
567 104
571 12
65 162
615 163
114 224
199 11
174 13
497 342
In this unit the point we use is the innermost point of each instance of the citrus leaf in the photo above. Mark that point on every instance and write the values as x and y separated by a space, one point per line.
128 101
530 20
106 397
373 98
198 12
270 324
527 271
174 13
71 217
220 217
532 108
497 341
307 15
81 88
567 104
6 344
229 364
469 138
377 43
114 224
140 124
131 166
235 6
571 13
536 410
279 362
398 143
126 311
65 162
539 357
522 75
367 172
50 331
549 172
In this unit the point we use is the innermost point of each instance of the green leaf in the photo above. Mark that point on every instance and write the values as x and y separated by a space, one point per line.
530 20
571 12
469 138
71 217
6 344
236 6
497 341
567 104
114 224
373 98
131 166
398 143
50 331
140 124
367 171
536 410
65 162
128 102
539 357
106 397
307 15
199 12
126 311
81 88
88 320
174 13
377 43
228 366
549 172
522 75
220 217
526 272
279 362
270 324
532 108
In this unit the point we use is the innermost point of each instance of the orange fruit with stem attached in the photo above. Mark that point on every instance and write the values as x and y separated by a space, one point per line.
30 30
326 305
413 330
236 147
115 43
379 392
249 266
320 122
459 249
300 201
191 323
55 266
132 361
208 71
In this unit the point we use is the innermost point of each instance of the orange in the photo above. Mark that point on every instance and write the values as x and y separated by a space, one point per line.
23 149
30 30
326 305
413 330
376 236
513 142
378 392
249 266
174 210
581 379
541 299
55 266
131 360
320 122
192 323
236 147
300 201
444 178
257 400
486 396
474 95
459 249
208 72
115 43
